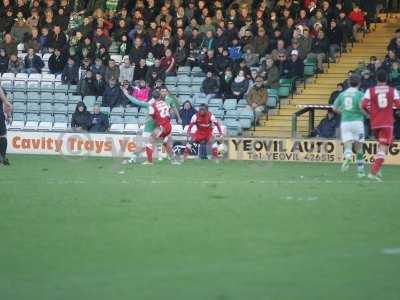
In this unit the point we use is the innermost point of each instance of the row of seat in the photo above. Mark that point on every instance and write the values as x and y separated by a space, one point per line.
36 86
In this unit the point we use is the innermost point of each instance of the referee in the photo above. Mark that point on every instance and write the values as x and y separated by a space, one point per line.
5 112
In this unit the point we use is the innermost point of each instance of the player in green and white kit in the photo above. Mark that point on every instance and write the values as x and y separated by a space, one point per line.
150 125
347 104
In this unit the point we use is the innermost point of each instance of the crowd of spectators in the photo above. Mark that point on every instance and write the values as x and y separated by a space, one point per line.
367 72
240 45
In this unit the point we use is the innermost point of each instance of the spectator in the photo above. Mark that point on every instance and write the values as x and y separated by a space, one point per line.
15 65
358 19
3 61
239 85
142 91
327 127
210 86
98 67
319 50
295 65
32 62
226 82
250 57
271 74
9 45
257 98
394 75
99 121
336 93
99 85
126 70
81 118
187 112
20 28
396 128
182 53
367 81
111 71
57 38
140 70
70 73
335 38
112 94
57 62
260 42
235 50
86 85
167 63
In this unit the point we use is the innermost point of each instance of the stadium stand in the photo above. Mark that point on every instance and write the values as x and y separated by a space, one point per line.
97 45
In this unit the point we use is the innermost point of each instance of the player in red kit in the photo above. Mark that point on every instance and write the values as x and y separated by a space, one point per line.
378 104
205 123
159 112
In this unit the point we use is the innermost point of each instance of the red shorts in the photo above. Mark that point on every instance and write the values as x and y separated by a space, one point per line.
202 135
165 130
384 135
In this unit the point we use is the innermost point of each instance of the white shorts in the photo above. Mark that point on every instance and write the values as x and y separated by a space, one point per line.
352 131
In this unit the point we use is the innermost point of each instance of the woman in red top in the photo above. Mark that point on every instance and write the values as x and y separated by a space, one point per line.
168 64
357 17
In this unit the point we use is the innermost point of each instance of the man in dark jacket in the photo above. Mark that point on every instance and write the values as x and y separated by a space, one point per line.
210 85
70 74
319 49
57 62
81 118
32 62
86 85
327 126
99 85
99 121
186 113
138 51
112 94
3 61
295 65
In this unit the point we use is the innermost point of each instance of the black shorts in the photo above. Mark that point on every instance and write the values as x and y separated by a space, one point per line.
3 128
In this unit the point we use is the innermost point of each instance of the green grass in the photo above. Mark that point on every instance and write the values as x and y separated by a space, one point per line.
77 229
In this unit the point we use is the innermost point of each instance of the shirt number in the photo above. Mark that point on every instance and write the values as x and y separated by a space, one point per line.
348 103
382 101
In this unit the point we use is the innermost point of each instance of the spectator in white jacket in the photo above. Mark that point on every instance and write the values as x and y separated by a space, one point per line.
126 70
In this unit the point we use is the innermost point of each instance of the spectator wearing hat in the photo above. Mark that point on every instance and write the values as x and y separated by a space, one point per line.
296 46
280 49
295 65
257 98
57 62
260 42
81 118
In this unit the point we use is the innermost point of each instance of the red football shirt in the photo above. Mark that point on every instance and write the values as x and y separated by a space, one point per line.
380 101
159 110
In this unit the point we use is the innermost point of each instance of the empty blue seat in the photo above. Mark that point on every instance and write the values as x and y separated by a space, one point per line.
116 120
131 111
119 111
32 107
46 107
184 90
60 108
184 80
74 98
19 107
19 96
105 110
246 114
46 97
130 119
170 80
245 123
231 115
46 86
215 102
33 97
242 103
89 100
18 116
230 104
32 117
61 98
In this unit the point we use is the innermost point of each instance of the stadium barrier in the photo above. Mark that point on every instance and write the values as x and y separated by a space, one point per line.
300 150
120 145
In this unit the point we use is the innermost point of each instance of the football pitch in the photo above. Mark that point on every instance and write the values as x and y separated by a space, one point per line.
78 229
